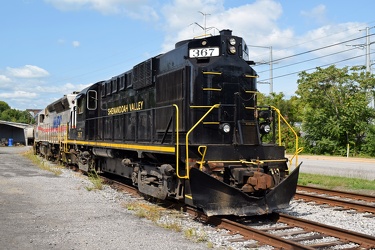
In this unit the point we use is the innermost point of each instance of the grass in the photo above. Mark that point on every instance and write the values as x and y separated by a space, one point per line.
142 210
166 219
95 180
335 182
56 169
42 164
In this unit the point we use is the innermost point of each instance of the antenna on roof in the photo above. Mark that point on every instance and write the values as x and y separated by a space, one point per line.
204 28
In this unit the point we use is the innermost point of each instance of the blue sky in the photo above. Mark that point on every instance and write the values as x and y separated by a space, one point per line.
49 48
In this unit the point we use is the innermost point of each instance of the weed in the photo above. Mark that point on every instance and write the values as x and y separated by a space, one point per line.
42 164
95 180
210 244
190 232
142 210
173 226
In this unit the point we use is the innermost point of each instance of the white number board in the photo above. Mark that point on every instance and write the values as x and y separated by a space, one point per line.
204 52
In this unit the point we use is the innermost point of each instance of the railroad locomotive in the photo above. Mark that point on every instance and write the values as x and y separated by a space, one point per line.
182 125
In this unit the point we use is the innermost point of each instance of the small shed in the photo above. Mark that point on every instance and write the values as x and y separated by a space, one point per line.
13 133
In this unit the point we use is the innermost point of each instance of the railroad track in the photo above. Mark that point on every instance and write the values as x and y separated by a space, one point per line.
346 200
277 230
287 232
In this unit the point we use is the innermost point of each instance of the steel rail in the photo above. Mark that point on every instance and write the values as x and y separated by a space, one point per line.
247 232
364 240
335 202
261 236
355 196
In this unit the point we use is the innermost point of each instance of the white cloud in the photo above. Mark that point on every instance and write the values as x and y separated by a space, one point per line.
76 44
28 71
255 22
317 14
69 87
5 79
19 94
137 9
328 35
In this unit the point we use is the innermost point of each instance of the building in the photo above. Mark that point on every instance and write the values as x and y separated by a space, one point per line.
13 133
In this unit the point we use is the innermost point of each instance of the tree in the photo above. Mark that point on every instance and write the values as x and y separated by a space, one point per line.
336 108
289 109
14 115
3 106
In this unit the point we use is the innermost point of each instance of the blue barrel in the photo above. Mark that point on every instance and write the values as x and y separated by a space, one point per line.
10 142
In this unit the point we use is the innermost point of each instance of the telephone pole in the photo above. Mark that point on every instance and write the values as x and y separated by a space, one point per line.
368 43
368 60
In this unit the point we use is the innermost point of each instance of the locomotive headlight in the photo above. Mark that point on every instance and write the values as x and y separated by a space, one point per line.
225 127
232 49
265 128
232 41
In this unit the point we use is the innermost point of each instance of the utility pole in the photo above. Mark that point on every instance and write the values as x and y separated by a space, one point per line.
270 63
368 43
368 60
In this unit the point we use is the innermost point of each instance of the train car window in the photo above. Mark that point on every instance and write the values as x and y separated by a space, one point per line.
81 105
41 118
103 89
122 82
245 52
92 100
115 83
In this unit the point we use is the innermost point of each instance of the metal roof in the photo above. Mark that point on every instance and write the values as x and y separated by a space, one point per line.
16 124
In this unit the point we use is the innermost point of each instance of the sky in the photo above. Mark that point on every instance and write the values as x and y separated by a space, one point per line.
49 48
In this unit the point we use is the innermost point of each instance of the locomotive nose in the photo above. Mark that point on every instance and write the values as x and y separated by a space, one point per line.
237 114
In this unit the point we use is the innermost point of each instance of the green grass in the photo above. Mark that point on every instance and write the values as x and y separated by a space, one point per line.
55 169
335 182
96 181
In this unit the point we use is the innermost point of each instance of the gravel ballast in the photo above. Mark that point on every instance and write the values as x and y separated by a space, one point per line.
40 210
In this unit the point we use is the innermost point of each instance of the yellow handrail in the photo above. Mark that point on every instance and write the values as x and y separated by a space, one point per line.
187 139
251 76
298 150
177 143
211 89
203 154
211 73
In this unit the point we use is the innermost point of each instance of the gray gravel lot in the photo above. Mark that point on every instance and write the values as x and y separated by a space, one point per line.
42 211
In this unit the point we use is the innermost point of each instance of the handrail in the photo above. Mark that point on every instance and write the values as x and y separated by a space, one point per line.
211 73
177 144
187 139
212 89
251 76
203 154
298 150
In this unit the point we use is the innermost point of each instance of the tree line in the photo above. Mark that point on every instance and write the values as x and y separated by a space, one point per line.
334 107
14 115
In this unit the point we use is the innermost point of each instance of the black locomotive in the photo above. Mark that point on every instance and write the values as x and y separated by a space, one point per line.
184 125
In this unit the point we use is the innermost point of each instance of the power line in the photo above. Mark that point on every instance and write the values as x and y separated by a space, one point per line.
328 64
308 60
324 47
